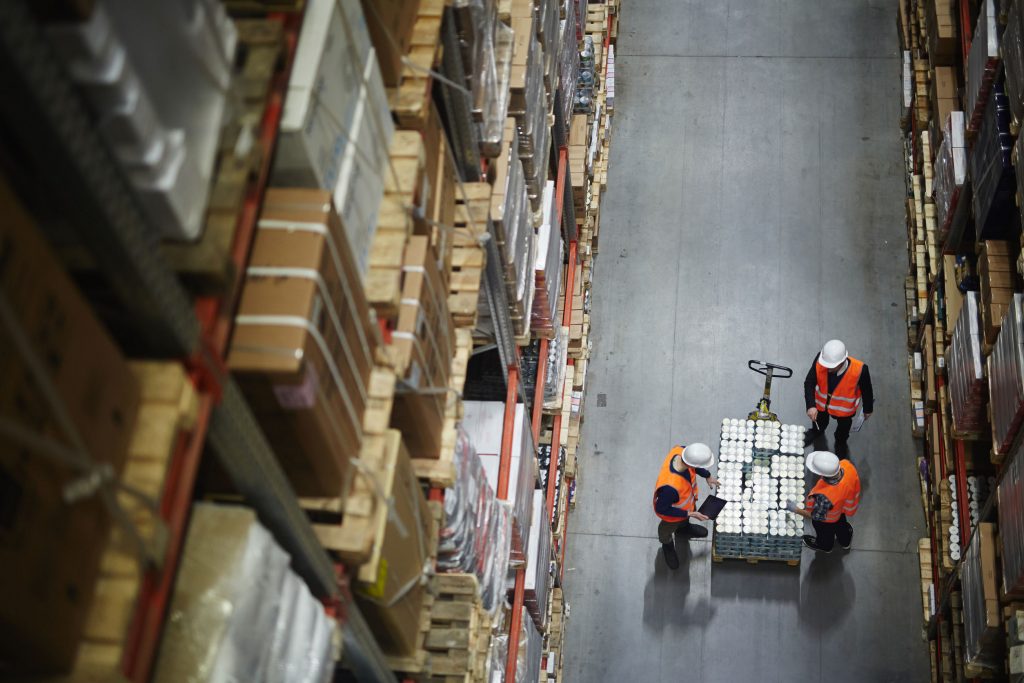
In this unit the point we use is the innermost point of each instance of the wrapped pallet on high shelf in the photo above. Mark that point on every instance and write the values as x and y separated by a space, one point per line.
528 101
476 536
981 612
992 172
513 222
483 422
966 372
336 131
1010 503
163 131
944 100
547 269
982 63
1006 378
1013 61
950 169
487 49
943 46
238 611
56 357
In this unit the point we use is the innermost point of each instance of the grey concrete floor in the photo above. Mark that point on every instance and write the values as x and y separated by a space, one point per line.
754 210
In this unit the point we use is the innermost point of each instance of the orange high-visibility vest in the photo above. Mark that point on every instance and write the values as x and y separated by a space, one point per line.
844 496
687 491
844 400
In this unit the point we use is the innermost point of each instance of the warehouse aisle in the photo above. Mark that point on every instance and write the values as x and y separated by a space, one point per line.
754 210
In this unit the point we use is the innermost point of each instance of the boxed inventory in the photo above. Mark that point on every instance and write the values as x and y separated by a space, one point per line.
303 348
49 549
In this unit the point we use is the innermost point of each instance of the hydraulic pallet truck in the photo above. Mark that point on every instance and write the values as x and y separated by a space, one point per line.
770 371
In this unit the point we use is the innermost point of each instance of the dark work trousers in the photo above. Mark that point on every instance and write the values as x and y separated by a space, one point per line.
683 528
829 532
843 425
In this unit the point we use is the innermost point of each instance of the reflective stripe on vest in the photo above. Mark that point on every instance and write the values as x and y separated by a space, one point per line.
846 397
687 491
844 496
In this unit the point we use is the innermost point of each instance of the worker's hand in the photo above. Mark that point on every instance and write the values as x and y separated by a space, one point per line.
698 516
713 481
813 414
792 506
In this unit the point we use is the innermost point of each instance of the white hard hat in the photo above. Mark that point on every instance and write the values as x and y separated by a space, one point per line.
698 455
833 353
823 463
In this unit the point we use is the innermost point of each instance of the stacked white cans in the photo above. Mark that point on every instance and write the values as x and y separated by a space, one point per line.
737 441
791 440
767 435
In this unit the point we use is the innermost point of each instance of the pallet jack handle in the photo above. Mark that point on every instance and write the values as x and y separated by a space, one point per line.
770 371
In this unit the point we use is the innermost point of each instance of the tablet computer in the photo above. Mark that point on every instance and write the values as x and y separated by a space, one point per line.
711 506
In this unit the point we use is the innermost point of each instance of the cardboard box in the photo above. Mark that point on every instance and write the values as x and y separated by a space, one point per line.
49 550
391 28
392 603
303 346
425 344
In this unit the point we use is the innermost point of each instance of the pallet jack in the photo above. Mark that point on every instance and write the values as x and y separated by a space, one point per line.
770 371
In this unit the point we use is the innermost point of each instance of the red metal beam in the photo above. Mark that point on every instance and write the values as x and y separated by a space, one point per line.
966 30
154 594
516 624
505 461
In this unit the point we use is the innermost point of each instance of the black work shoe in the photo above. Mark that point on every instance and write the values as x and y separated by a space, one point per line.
812 543
671 559
842 450
696 531
845 547
809 436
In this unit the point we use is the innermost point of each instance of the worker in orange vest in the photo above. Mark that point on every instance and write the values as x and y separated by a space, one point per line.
835 497
675 496
836 385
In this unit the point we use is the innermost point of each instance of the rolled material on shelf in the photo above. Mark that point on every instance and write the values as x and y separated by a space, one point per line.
992 172
966 371
981 613
475 537
1006 377
1013 59
982 62
569 65
950 166
1011 525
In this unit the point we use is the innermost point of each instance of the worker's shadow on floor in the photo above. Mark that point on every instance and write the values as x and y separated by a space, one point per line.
827 590
667 595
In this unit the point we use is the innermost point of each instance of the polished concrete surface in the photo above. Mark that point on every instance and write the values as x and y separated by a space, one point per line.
754 210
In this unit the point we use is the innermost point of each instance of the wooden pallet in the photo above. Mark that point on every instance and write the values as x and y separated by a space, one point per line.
168 408
754 560
410 101
383 280
440 473
469 259
455 633
353 523
206 266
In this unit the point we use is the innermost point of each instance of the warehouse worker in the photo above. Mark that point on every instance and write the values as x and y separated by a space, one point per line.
835 497
836 385
675 496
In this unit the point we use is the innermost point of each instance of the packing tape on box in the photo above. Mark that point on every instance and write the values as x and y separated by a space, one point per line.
303 323
321 229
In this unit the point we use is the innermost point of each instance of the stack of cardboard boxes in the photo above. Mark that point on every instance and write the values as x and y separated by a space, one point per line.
304 346
998 282
50 549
